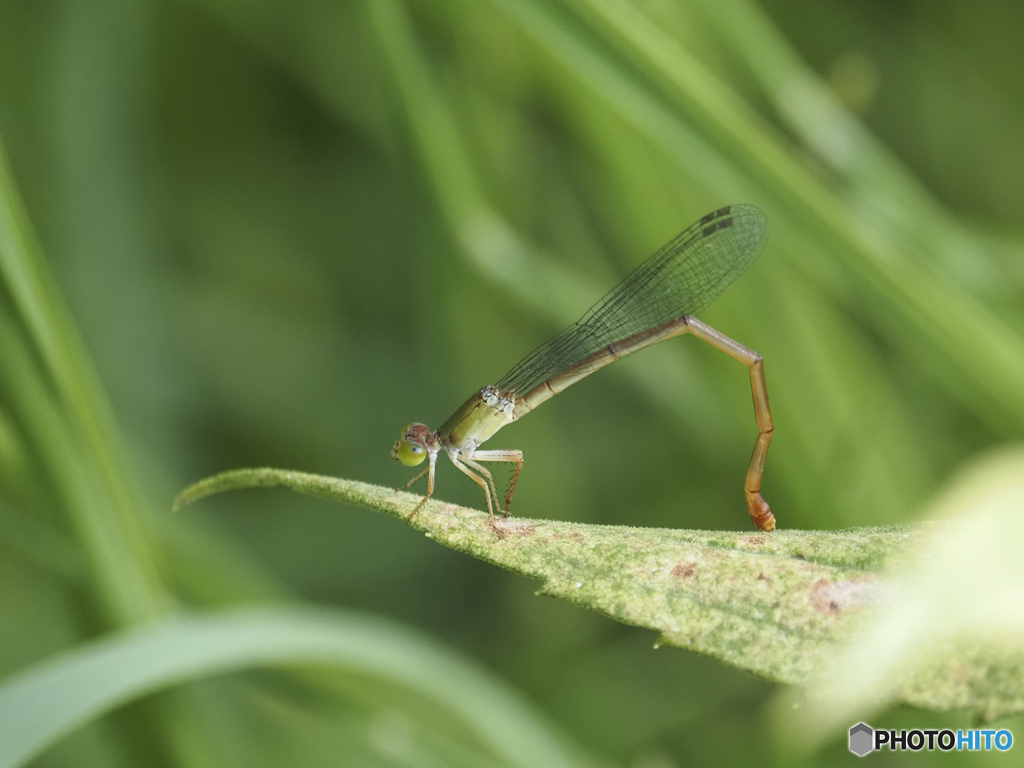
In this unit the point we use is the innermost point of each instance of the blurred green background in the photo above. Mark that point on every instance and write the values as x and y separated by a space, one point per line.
285 230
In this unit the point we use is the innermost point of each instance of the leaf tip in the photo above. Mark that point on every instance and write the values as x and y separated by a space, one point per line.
183 499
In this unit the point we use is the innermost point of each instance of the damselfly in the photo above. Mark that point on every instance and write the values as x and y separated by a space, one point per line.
657 301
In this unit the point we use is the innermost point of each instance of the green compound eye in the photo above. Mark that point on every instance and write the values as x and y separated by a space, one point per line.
410 454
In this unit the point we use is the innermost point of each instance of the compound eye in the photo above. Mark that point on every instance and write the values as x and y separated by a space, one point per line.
411 454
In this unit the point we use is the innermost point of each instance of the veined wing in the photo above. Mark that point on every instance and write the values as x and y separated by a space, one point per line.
683 278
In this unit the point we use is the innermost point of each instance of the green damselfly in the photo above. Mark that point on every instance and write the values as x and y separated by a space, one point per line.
657 301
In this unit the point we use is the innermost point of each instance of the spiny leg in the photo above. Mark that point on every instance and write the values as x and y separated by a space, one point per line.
430 485
516 457
479 481
486 473
760 512
409 485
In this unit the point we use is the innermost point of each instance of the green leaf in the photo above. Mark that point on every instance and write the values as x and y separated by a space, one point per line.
789 605
772 604
40 705
952 635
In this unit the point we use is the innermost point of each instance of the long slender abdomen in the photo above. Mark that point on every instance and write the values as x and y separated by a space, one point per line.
604 356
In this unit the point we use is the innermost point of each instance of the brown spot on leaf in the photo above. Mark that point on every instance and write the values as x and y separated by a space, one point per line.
684 569
579 538
753 541
833 598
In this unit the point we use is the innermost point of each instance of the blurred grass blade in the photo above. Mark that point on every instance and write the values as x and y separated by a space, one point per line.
771 604
492 245
876 175
116 575
99 500
44 703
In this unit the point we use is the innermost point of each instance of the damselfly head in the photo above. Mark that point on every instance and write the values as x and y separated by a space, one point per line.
411 448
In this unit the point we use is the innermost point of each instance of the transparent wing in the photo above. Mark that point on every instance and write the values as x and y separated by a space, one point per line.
682 278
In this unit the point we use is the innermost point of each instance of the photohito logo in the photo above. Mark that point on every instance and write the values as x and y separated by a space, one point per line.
861 739
864 739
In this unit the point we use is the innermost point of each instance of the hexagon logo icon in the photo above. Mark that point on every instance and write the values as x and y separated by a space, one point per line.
862 738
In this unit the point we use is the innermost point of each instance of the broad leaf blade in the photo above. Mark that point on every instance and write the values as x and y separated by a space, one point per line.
768 603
